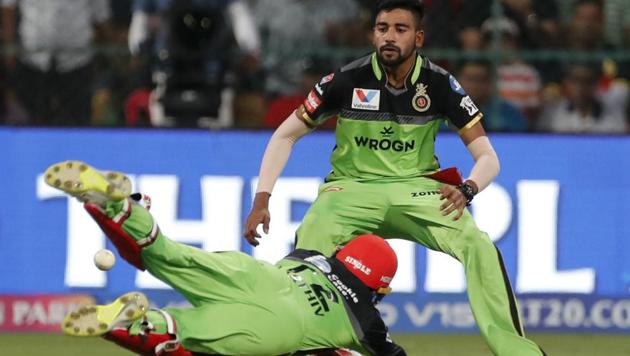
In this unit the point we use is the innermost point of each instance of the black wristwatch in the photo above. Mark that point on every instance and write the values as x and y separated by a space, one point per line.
468 191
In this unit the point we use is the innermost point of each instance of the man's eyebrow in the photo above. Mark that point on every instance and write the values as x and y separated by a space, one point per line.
383 23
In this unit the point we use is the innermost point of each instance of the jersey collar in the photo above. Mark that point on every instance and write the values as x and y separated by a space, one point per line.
380 75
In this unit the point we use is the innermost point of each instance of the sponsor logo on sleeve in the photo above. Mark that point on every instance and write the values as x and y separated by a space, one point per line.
319 89
366 99
456 86
327 78
468 105
312 102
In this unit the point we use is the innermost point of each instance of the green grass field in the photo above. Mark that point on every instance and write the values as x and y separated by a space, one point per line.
415 344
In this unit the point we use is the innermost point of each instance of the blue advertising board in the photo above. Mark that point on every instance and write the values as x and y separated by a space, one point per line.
557 211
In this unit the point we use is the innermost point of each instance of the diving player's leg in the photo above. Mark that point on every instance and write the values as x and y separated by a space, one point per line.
241 328
270 324
342 210
269 320
198 275
106 198
130 323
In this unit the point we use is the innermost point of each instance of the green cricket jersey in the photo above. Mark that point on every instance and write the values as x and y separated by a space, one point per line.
383 131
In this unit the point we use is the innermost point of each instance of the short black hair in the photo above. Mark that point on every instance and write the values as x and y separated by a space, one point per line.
416 7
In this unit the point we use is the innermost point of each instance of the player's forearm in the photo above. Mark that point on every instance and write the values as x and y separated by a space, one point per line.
273 162
278 151
486 165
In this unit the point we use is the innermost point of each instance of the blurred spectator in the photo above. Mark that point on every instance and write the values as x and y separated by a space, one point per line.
616 19
498 115
617 22
190 45
536 20
53 76
281 107
518 82
116 75
587 26
585 33
290 27
584 109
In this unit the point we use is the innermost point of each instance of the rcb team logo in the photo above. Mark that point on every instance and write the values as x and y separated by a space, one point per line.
421 100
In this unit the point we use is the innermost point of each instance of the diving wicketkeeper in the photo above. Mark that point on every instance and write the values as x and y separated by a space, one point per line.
240 306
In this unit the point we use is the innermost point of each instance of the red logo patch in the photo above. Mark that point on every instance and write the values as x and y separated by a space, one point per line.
421 102
312 102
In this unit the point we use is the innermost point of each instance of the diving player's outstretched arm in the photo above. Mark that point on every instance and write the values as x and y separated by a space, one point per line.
273 162
483 172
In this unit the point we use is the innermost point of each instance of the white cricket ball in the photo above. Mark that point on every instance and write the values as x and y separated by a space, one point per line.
104 259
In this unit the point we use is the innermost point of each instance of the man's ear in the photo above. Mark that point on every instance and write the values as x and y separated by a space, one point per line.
419 38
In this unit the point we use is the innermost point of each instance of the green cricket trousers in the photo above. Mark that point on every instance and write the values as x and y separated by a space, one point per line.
410 209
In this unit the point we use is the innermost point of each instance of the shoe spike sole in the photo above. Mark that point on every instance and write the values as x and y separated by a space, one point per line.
96 320
86 183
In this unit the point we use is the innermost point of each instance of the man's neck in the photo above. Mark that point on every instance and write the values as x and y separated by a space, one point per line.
396 76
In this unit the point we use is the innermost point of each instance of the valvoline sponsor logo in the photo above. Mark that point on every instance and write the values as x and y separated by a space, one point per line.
366 95
366 99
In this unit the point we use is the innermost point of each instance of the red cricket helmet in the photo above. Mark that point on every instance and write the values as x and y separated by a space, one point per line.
371 259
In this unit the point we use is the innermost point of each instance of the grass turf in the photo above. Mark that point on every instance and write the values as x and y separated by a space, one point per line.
415 344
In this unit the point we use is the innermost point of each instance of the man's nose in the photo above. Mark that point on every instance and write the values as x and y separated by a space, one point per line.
389 36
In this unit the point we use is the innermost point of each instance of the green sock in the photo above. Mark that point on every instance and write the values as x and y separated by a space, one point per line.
112 208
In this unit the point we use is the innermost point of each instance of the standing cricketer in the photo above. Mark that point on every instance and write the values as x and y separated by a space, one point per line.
389 106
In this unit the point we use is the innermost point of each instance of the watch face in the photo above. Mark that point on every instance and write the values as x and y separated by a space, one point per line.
467 190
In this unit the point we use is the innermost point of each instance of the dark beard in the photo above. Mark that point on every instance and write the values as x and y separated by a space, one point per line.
393 63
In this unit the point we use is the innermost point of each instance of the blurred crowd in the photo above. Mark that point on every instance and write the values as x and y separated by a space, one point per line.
532 65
